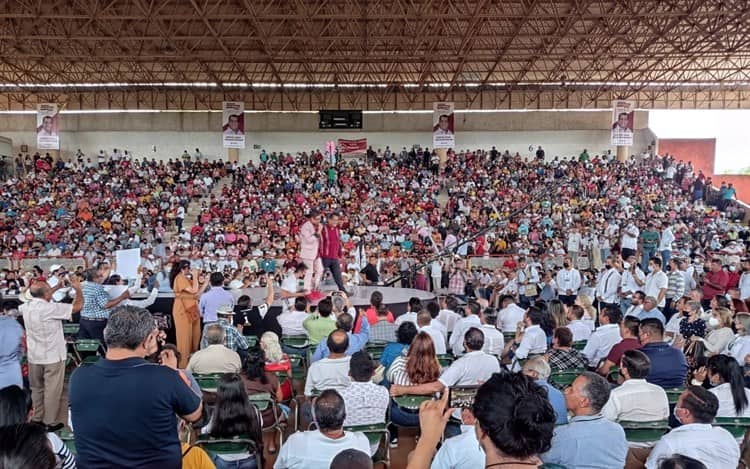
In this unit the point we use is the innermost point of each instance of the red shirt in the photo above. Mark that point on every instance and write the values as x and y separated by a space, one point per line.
330 243
615 353
719 278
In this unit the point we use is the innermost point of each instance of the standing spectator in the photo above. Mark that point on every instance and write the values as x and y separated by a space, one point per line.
330 248
96 304
649 243
696 438
123 409
590 440
292 286
665 243
11 351
309 237
568 282
574 244
46 347
657 282
608 286
629 241
675 286
714 283
185 313
215 298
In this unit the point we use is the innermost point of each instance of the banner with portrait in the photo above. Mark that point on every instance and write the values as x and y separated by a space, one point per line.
622 123
233 124
47 121
443 131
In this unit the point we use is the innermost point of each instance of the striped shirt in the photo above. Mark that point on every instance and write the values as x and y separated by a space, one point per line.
676 285
94 299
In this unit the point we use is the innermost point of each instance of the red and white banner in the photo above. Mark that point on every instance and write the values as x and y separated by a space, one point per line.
352 147
47 137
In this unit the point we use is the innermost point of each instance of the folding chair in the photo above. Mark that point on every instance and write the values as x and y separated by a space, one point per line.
89 347
580 345
737 426
376 433
298 343
644 432
375 349
674 394
445 359
228 446
262 402
411 402
563 378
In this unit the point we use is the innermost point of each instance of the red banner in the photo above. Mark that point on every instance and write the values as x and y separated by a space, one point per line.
352 147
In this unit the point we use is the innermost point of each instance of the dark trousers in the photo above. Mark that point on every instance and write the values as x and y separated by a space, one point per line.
567 299
335 268
92 329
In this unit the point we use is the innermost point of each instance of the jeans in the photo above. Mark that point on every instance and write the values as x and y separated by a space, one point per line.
249 462
646 255
665 256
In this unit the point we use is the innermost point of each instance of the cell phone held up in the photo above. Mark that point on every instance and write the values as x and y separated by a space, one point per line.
462 397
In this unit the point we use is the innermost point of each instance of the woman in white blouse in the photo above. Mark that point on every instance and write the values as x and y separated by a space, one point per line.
739 348
719 332
725 376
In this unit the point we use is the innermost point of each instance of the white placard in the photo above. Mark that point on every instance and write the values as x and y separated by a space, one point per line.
127 262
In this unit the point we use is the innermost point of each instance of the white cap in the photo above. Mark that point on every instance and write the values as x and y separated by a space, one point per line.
235 284
54 267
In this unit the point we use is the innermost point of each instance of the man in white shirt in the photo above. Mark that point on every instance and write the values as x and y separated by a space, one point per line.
579 329
425 324
656 282
291 321
629 241
216 358
568 281
632 280
574 244
448 316
608 286
331 372
665 243
415 306
511 314
636 305
471 319
713 446
462 450
635 399
290 286
744 284
494 342
604 337
316 449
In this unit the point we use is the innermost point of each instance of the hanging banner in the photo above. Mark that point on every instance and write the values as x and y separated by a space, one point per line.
233 124
352 147
622 123
47 137
443 132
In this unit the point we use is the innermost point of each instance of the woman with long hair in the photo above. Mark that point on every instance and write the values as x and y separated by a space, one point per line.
187 323
233 416
725 375
277 361
259 381
589 312
719 331
557 309
739 347
418 366
376 302
16 409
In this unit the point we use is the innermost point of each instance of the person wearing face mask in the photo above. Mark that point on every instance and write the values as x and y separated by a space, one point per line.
713 446
725 375
744 282
608 285
162 278
691 325
720 332
568 282
739 347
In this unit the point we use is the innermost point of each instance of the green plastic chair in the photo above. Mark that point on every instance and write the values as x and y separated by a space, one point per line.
227 446
377 434
375 349
564 378
295 341
644 432
87 346
71 328
614 374
445 359
68 439
737 426
252 340
674 394
411 402
579 345
299 370
208 382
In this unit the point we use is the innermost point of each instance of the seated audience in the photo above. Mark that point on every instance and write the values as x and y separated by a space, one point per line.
356 342
259 381
351 459
739 347
234 415
530 338
668 365
470 319
580 330
24 446
316 449
366 402
510 314
720 332
494 342
728 385
562 355
539 370
696 438
424 323
320 323
404 335
233 340
606 336
589 440
331 372
291 320
216 357
383 329
636 399
629 332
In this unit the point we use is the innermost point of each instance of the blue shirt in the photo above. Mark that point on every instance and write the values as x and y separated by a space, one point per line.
11 352
668 365
94 299
654 313
356 343
588 442
124 414
391 352
557 400
212 300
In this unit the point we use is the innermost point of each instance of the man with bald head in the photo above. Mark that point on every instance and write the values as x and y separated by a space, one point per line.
331 372
47 349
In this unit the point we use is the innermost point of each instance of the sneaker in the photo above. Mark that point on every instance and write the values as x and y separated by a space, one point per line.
394 441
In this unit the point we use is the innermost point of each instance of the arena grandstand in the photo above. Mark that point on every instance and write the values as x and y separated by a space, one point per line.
344 234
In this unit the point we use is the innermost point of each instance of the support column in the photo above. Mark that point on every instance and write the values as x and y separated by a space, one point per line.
622 152
233 155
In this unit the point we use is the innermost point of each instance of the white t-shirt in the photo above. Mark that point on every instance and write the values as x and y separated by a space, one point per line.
631 242
313 450
655 281
328 373
291 322
290 285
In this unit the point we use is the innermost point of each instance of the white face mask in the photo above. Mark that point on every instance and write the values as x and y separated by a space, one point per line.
732 268
713 322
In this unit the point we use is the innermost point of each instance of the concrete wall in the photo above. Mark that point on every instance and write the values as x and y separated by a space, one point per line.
562 133
6 147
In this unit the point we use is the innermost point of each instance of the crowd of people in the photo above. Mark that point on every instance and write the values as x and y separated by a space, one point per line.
629 275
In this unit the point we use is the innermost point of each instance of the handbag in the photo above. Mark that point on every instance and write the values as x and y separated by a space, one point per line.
191 309
693 353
